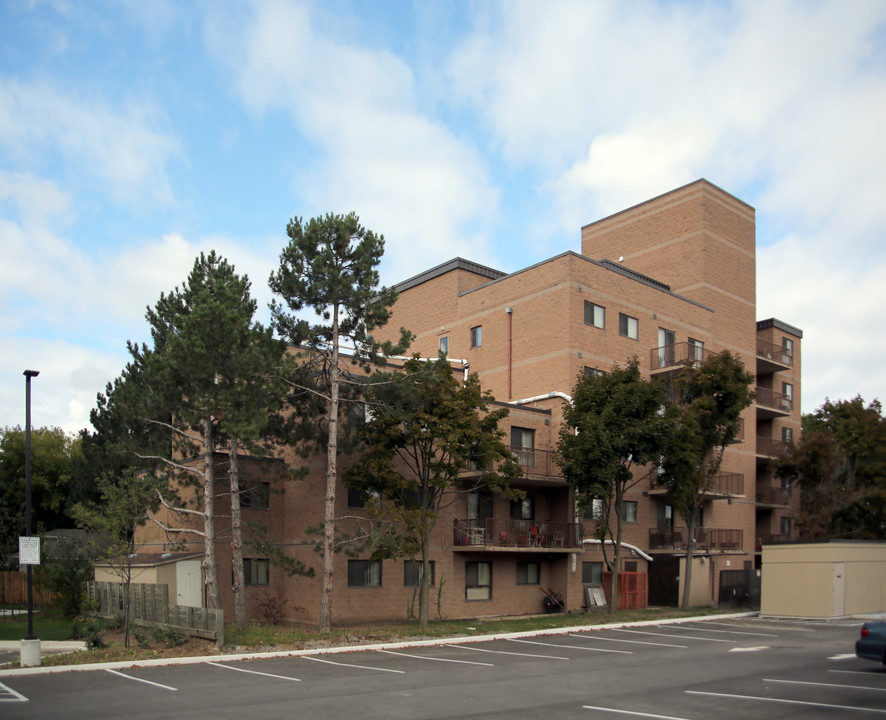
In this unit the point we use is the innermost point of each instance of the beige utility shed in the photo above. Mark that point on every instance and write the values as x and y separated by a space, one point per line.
182 572
823 579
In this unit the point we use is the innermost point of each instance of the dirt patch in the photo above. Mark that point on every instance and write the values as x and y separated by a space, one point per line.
116 651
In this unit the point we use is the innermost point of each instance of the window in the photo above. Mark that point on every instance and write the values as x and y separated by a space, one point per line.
785 526
696 350
412 573
593 372
595 315
787 351
364 573
523 509
787 435
594 511
667 340
665 516
478 581
592 573
630 566
528 573
629 511
628 326
444 344
257 497
787 402
522 446
479 505
357 498
476 336
255 570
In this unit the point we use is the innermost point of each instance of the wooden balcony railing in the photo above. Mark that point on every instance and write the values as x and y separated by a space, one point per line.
769 495
676 538
500 532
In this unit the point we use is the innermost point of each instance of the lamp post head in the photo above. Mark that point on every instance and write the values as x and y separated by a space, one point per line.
31 373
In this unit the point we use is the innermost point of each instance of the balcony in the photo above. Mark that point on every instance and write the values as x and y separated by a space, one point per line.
710 539
724 485
772 404
770 496
771 540
538 466
772 358
670 357
769 449
505 535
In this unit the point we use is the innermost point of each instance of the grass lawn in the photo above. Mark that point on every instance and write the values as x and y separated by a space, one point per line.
47 626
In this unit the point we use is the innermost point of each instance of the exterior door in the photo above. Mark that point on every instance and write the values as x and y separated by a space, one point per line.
839 586
189 583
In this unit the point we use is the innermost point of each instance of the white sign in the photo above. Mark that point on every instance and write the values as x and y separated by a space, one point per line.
29 551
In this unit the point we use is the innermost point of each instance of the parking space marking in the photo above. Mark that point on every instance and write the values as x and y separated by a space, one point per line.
505 652
632 642
728 632
767 627
679 637
425 657
631 712
254 672
842 656
570 647
14 696
146 682
819 684
870 672
349 665
784 701
758 648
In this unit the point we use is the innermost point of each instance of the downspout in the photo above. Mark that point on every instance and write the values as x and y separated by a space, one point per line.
546 396
594 541
510 312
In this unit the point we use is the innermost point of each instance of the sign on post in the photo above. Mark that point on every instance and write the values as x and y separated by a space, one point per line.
28 550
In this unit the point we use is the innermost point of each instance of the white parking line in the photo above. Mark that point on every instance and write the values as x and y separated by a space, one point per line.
679 637
766 627
828 685
869 673
728 632
349 665
783 701
632 642
146 682
570 647
425 657
842 656
631 712
255 672
505 652
16 697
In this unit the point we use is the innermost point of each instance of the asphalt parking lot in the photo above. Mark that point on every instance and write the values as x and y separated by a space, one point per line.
718 668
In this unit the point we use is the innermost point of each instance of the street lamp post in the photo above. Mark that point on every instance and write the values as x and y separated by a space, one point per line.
30 641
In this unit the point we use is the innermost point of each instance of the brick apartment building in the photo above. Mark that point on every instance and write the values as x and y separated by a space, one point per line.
671 279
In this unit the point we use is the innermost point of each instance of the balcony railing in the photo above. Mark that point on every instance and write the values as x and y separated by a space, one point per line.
724 483
533 461
676 538
771 540
771 448
678 354
504 533
774 400
769 495
774 353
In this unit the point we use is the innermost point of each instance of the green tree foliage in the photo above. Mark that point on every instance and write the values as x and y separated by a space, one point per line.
424 430
124 504
53 492
329 267
611 430
839 465
64 570
707 402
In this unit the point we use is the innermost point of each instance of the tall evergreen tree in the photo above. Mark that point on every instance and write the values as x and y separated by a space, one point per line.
329 266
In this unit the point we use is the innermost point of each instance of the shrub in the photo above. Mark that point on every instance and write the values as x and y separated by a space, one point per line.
92 630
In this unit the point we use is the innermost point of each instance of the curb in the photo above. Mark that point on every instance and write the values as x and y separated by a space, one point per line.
360 648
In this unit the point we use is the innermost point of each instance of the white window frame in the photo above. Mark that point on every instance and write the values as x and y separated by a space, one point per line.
627 328
596 314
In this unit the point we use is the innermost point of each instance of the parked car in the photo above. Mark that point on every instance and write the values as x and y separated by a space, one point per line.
872 643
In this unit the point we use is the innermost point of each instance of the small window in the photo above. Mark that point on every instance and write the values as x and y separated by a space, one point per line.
629 511
256 570
787 435
523 509
696 350
476 336
630 566
479 505
257 497
592 573
785 526
594 511
478 581
444 345
628 326
364 573
787 402
412 573
595 315
592 372
528 573
787 351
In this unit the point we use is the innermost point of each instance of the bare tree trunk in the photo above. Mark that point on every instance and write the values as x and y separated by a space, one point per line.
331 479
425 580
210 564
690 553
237 541
616 562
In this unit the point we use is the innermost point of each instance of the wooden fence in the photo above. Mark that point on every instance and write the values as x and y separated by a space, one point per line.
149 605
14 589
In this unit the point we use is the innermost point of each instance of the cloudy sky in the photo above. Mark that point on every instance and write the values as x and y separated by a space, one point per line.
134 135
